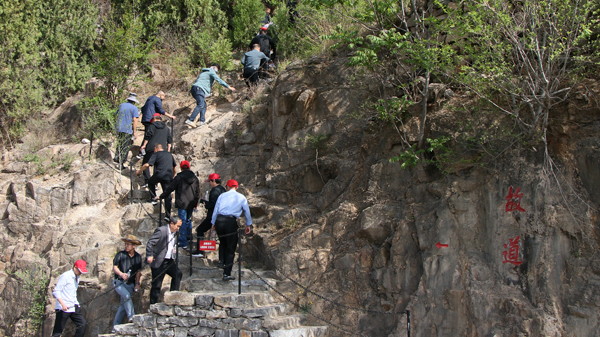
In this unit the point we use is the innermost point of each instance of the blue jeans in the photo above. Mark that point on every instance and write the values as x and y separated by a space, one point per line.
200 108
185 231
125 291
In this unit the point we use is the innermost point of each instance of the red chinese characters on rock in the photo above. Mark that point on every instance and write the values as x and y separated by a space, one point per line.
512 254
513 200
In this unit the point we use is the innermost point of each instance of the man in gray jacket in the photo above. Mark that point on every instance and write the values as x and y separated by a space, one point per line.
161 253
252 61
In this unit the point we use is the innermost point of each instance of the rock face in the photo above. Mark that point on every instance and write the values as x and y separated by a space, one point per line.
334 215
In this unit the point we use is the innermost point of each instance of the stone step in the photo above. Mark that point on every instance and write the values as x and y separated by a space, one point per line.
270 311
243 301
284 322
306 331
217 284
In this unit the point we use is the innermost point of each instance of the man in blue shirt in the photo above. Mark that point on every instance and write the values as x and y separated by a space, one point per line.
67 305
252 62
201 88
228 209
153 105
127 115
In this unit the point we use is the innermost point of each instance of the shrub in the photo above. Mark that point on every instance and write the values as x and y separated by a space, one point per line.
247 15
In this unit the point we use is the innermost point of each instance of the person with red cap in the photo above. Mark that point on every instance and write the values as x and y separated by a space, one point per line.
156 133
267 47
67 305
216 189
187 194
228 209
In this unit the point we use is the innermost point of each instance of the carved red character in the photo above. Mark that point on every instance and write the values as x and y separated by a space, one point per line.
513 200
512 255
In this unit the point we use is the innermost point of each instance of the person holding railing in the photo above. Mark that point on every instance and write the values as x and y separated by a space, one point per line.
127 266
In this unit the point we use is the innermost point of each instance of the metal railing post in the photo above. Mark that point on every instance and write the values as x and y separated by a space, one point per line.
240 262
159 211
190 244
131 181
172 134
91 143
408 322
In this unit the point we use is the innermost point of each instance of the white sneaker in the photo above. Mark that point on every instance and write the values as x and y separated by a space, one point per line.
203 123
190 123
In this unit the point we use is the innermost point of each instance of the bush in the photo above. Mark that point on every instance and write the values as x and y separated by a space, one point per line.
121 53
44 56
247 15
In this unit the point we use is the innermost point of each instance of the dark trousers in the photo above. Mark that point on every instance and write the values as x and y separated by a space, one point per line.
163 183
200 108
227 244
251 75
168 267
123 144
144 161
61 321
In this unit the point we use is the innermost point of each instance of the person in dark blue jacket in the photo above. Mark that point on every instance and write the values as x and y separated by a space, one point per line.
154 105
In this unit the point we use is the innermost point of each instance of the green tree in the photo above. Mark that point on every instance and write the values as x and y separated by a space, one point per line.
68 30
20 93
247 15
44 56
121 54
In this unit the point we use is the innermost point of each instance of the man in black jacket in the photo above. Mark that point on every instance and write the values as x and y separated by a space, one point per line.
266 43
216 189
156 133
164 172
187 194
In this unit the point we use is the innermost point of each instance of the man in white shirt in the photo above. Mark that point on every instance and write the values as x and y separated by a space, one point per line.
161 253
228 209
67 305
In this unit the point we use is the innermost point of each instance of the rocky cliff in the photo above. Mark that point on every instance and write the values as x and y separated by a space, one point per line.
335 215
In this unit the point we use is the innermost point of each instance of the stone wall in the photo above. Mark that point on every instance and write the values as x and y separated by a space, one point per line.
231 315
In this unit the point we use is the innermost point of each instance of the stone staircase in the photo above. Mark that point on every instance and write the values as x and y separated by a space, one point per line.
209 306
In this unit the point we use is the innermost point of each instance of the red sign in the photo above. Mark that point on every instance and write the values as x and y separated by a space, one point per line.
439 245
513 200
207 245
512 255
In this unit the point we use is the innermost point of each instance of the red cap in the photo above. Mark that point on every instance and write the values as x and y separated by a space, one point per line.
232 183
264 28
184 164
81 265
212 176
156 114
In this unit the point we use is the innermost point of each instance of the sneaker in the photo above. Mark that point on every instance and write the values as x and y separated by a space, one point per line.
183 247
139 156
197 254
131 320
190 123
168 219
228 278
221 265
154 202
203 123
